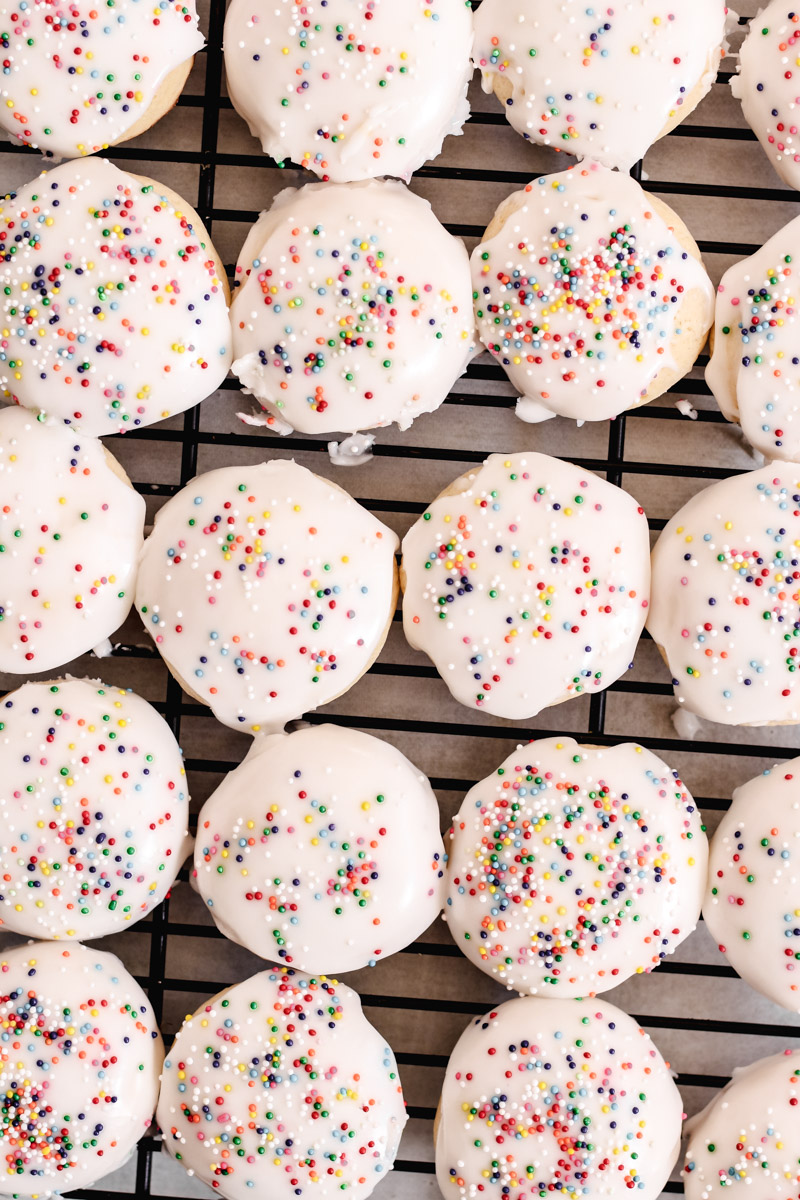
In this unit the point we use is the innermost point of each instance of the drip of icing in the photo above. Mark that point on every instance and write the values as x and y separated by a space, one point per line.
267 590
354 308
116 316
322 851
570 1098
528 586
725 594
574 867
77 77
598 82
70 537
354 451
94 809
80 1059
585 295
287 1069
350 89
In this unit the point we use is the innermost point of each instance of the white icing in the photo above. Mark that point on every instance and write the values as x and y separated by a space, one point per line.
598 82
686 724
686 409
585 294
115 315
350 89
754 371
725 592
267 589
78 76
354 309
71 532
79 1066
322 851
568 1098
754 883
289 1065
747 1136
767 86
515 629
354 451
533 412
94 809
573 867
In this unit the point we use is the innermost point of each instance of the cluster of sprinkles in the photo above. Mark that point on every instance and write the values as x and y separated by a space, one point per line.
70 535
79 1062
726 599
76 76
282 1086
113 313
542 1098
573 868
752 368
747 1137
94 808
534 553
571 74
334 85
266 605
768 85
322 851
751 908
356 310
579 294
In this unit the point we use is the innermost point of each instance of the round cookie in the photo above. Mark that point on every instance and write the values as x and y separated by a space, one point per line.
79 78
590 293
80 1057
767 86
268 591
113 298
354 308
752 368
288 1068
94 809
70 536
749 1134
573 867
526 582
598 82
567 1097
724 599
752 904
350 89
322 850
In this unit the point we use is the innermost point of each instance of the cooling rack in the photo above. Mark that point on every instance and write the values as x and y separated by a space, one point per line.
705 1020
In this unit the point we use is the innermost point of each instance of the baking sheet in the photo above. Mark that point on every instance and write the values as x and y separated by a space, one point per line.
704 1019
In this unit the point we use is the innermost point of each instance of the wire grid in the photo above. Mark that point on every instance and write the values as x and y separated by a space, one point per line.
422 997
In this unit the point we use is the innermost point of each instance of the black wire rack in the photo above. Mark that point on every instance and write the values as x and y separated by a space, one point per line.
705 1019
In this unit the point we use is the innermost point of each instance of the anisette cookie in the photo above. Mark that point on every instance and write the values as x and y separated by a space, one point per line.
80 1058
322 850
526 582
267 590
71 529
350 89
598 81
94 809
767 85
280 1087
725 596
748 1135
113 298
80 77
752 905
753 368
590 293
354 308
545 1096
573 867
